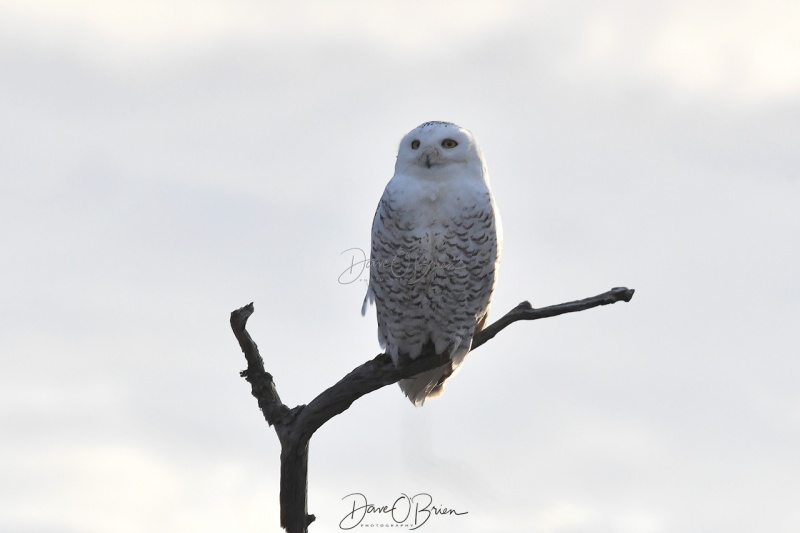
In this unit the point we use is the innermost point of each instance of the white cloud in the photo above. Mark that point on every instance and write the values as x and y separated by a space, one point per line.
721 52
165 163
153 28
121 489
747 49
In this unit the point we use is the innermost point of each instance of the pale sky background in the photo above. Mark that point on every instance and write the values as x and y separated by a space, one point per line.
164 163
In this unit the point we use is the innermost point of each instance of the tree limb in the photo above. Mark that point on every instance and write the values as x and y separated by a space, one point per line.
524 311
296 426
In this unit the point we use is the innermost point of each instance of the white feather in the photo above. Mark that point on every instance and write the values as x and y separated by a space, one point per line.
436 240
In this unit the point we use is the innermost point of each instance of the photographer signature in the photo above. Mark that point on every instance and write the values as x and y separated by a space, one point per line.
411 511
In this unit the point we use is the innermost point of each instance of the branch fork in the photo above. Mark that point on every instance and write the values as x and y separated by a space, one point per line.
295 426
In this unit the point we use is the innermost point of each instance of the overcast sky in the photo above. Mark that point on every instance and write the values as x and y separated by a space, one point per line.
164 163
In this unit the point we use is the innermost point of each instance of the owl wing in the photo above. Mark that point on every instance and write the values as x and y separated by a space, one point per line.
396 260
369 298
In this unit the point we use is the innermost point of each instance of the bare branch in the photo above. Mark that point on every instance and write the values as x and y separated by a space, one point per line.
296 426
294 449
380 371
261 382
524 311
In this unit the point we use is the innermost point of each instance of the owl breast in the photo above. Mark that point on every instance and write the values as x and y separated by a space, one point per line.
441 252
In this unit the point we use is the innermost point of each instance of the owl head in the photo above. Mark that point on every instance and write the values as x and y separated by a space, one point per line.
435 146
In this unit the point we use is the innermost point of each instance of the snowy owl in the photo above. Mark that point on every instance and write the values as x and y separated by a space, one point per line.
436 240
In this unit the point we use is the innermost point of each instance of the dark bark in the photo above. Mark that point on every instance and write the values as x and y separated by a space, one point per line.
296 426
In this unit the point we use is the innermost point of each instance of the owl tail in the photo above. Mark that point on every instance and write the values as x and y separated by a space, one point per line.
430 384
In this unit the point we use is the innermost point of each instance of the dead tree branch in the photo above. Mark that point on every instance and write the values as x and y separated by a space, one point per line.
296 426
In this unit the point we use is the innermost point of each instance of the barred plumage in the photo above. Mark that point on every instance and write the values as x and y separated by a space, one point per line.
436 241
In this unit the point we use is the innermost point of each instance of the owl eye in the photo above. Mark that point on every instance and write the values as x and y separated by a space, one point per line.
414 144
449 143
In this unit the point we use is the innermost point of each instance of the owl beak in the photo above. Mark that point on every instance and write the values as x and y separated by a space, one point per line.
429 157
